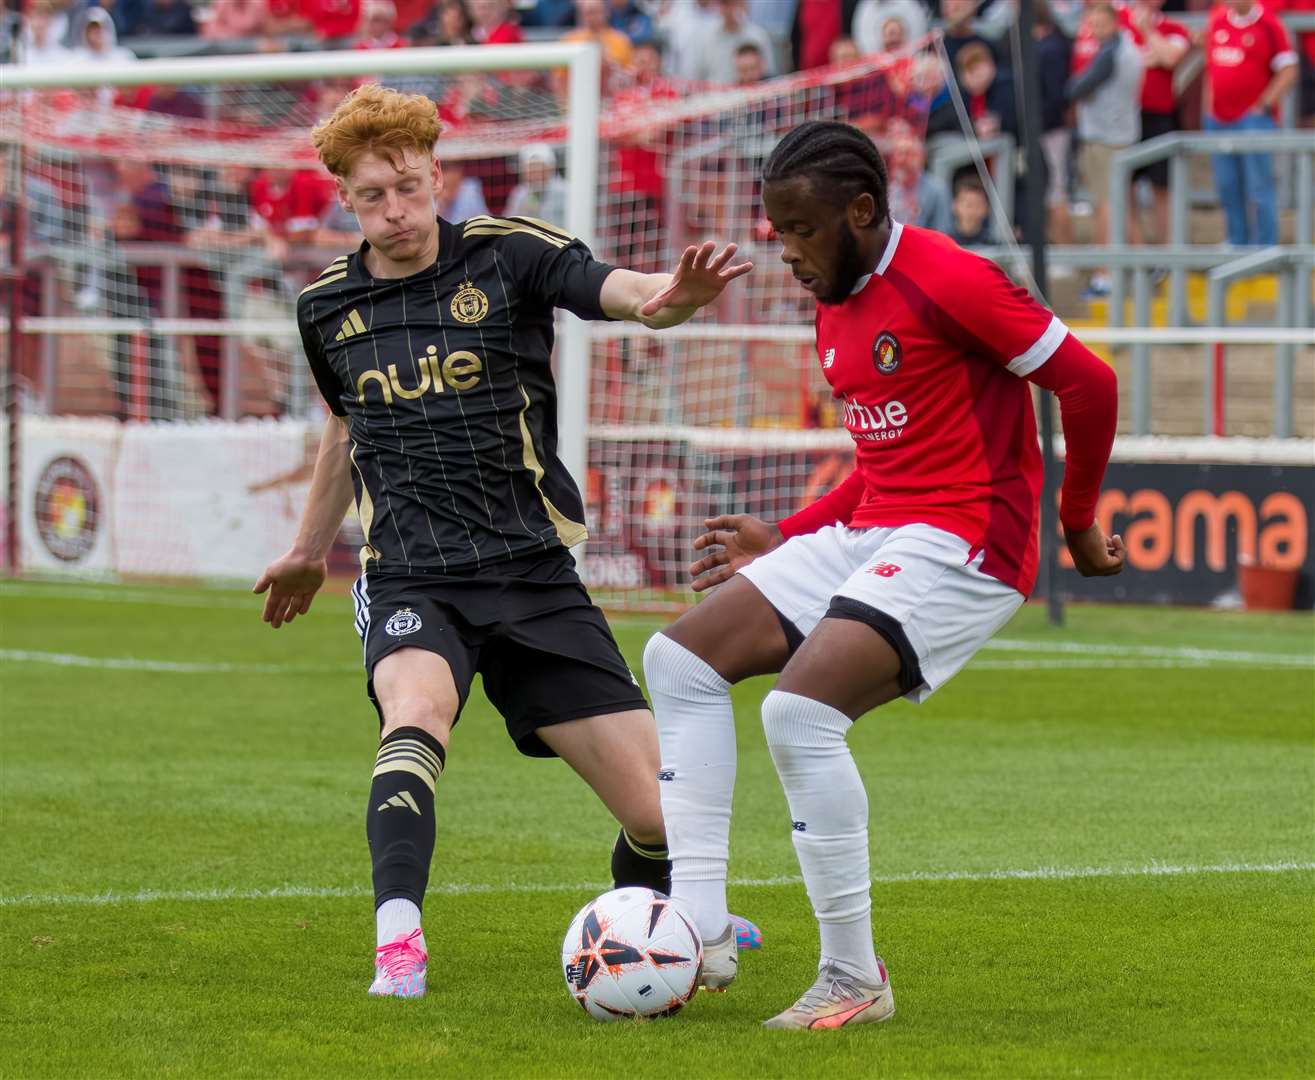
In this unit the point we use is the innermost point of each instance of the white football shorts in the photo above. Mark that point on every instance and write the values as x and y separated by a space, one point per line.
916 575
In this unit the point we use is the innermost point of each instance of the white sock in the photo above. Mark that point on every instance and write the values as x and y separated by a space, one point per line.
696 731
829 809
394 917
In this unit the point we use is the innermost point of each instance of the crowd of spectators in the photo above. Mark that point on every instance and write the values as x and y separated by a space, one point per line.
1108 75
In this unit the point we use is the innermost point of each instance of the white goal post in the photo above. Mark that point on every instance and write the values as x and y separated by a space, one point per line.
581 60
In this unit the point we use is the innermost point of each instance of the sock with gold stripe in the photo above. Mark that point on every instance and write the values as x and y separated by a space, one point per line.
399 821
634 863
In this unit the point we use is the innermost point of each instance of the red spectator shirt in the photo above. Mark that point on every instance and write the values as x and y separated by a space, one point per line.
638 161
1307 40
1157 84
1241 56
1085 47
291 203
928 356
820 23
506 33
410 13
332 18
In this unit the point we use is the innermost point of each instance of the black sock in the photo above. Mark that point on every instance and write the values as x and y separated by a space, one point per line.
399 822
634 863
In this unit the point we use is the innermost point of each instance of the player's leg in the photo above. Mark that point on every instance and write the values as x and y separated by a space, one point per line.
842 670
616 754
418 692
555 673
748 626
901 625
689 668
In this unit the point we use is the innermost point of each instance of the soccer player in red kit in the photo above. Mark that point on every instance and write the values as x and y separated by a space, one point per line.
887 586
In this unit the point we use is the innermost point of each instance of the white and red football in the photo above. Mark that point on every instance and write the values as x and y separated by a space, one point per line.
632 953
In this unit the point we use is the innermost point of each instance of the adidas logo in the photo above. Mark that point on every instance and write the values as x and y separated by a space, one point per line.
402 798
351 326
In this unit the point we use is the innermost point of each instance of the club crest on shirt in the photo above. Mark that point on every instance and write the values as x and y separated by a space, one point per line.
401 623
470 304
886 353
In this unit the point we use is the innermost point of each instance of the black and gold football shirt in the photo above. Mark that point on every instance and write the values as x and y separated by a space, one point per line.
444 378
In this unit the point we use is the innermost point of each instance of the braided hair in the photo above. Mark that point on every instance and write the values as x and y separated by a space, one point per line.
842 162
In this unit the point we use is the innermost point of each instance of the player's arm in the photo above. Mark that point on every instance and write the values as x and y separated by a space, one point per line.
662 300
293 579
996 319
734 540
1088 393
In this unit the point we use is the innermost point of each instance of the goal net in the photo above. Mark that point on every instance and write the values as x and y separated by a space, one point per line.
159 225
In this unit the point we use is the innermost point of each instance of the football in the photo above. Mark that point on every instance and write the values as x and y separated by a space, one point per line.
631 954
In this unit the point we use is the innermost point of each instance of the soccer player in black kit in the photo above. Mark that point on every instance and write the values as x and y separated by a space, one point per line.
431 346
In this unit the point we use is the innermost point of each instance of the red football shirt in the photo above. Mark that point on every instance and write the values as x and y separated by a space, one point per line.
1157 84
928 356
1241 56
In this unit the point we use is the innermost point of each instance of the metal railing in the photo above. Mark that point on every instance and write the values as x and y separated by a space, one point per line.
1176 147
1295 267
1294 311
946 156
234 271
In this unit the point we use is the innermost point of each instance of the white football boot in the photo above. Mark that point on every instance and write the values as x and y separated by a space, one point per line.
838 999
721 960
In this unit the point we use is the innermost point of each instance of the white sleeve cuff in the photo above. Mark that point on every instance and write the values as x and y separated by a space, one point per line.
1042 349
1282 60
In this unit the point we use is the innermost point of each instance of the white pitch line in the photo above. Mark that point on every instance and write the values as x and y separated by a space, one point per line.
118 595
174 667
1038 663
1177 652
293 892
1073 663
1255 661
224 599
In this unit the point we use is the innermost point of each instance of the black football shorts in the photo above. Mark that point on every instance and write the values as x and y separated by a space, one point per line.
527 626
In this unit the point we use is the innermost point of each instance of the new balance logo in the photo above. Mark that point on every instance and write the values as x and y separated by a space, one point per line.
884 569
829 358
666 775
799 826
401 799
351 326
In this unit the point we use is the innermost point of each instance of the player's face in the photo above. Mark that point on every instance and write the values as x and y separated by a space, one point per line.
819 241
395 207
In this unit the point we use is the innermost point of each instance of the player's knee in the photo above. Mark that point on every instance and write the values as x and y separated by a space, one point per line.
430 714
794 720
658 654
674 670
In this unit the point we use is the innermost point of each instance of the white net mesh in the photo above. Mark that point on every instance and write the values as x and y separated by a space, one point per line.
165 232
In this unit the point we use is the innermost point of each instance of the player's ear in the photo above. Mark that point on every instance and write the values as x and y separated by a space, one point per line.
436 178
344 200
862 211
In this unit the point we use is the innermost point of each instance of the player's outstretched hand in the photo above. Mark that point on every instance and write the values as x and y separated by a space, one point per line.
739 538
292 581
1094 553
699 279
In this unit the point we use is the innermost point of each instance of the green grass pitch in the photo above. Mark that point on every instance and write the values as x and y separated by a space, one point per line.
1094 856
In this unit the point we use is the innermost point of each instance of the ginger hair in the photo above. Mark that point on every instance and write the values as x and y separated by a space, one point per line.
374 119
